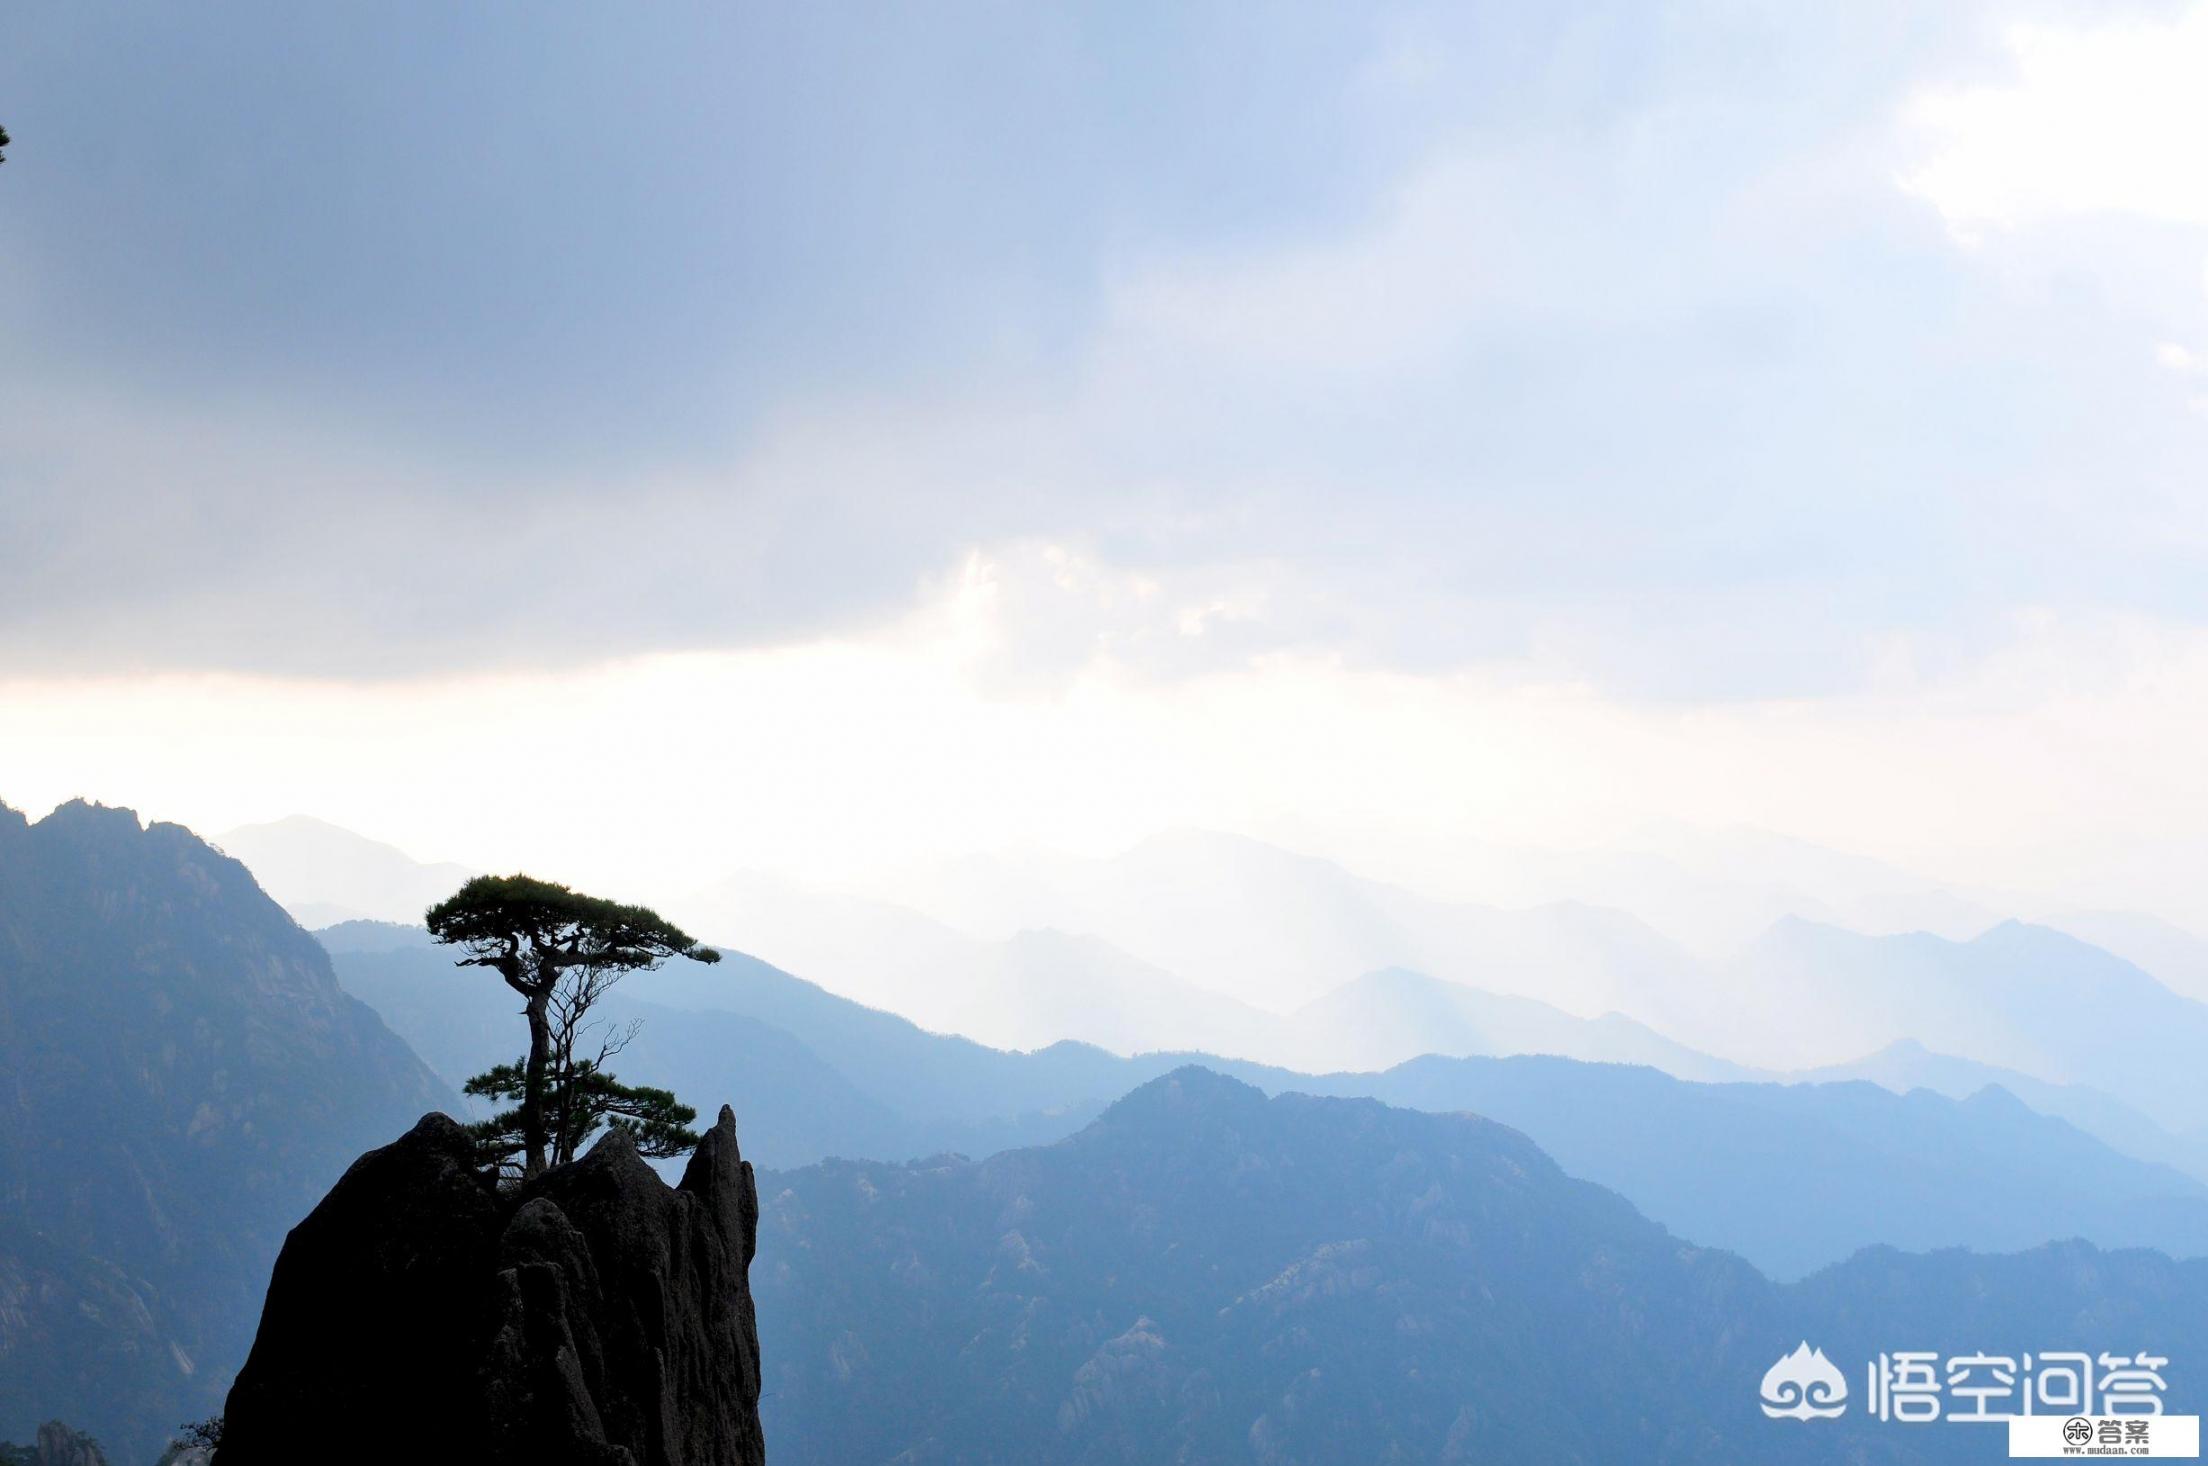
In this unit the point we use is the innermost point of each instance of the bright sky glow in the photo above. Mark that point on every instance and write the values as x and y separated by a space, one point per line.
1431 430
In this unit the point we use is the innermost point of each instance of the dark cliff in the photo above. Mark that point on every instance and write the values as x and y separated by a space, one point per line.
594 1315
181 1078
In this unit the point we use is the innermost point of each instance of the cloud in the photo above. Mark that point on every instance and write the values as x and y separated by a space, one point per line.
2092 120
1602 343
2063 764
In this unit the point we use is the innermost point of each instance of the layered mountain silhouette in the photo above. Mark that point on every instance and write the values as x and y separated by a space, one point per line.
2178 958
1037 986
1796 1176
183 1080
759 1036
1277 929
1198 941
1906 1064
2022 997
1390 1016
323 873
1235 1260
1027 989
1208 1274
1791 1176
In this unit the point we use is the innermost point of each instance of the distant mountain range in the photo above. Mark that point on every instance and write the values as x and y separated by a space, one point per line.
1206 1274
1390 1016
1219 944
1277 929
1281 930
1153 1258
180 1080
1791 1176
1907 1064
1027 989
1037 986
2022 997
323 874
2175 956
1797 1176
1706 890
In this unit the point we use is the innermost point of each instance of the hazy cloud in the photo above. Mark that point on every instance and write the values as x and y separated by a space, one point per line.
1697 352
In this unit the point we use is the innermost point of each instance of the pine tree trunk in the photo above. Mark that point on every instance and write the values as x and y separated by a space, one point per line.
532 1094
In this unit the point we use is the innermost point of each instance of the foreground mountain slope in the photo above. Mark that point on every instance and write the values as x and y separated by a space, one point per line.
1205 1274
183 1079
1208 1275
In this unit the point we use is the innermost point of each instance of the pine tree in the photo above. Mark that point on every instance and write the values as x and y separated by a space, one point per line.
561 950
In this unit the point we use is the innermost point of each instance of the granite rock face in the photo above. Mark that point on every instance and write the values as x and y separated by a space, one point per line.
594 1315
55 1445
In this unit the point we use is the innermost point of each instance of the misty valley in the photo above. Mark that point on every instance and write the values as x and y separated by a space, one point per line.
929 1248
1101 734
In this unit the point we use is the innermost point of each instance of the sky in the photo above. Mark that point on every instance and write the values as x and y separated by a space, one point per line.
640 442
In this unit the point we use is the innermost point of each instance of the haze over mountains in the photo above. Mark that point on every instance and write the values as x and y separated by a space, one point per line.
1141 1254
1707 891
1277 929
2023 997
1908 1065
1792 1176
2175 956
1805 1001
1229 946
323 875
1352 734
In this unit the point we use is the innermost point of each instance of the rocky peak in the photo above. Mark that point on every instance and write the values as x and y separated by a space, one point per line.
56 1444
593 1315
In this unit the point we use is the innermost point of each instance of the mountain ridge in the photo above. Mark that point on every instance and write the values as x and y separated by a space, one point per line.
1205 1273
186 1077
1724 1162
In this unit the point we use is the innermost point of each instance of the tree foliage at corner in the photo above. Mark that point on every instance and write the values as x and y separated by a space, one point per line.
561 950
195 1440
4 141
